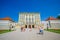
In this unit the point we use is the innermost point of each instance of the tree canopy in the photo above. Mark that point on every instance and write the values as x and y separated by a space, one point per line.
58 17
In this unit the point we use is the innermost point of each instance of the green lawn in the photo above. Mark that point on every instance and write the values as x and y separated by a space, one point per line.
4 31
54 30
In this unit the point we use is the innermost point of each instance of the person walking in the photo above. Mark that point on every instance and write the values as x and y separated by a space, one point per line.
21 29
41 30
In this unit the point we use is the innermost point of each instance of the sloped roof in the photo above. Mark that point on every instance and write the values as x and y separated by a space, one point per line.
51 18
6 18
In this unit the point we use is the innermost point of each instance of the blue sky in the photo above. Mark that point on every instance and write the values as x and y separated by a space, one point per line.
11 8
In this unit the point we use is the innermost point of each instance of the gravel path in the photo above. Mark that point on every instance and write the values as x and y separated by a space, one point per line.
29 35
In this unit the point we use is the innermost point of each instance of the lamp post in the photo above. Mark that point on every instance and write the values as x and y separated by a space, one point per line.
47 26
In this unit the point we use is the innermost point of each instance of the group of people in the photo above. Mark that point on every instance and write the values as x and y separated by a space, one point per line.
23 29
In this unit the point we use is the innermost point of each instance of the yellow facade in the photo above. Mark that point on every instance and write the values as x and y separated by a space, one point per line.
29 19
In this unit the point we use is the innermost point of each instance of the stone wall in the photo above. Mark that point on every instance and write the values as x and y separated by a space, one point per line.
55 24
4 24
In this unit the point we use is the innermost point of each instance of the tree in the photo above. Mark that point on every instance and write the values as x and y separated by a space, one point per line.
58 17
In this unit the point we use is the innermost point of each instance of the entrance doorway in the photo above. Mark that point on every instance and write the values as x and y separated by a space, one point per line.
32 26
29 26
25 26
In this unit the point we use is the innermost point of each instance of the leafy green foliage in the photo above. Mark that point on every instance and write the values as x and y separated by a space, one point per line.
58 17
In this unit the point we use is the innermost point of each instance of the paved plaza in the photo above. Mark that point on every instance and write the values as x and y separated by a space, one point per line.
29 35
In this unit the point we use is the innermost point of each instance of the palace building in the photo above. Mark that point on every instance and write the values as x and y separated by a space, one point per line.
29 20
51 23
